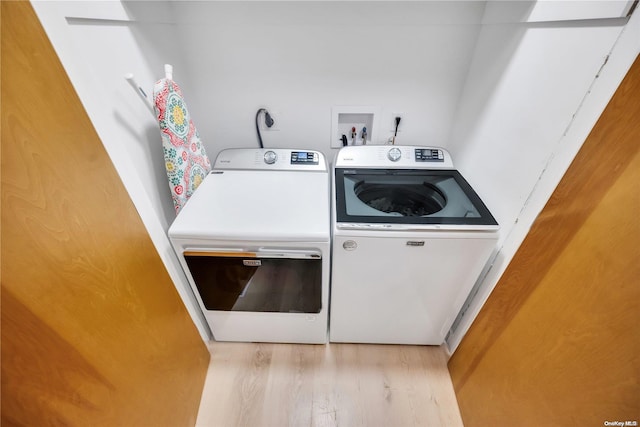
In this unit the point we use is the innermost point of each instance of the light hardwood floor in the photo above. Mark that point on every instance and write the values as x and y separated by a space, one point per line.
250 384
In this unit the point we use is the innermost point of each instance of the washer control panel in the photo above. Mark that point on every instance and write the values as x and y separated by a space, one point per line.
393 157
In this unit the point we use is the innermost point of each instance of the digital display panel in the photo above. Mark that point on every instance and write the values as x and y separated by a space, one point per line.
304 158
429 155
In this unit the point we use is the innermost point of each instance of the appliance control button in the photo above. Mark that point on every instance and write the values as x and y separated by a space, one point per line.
350 245
394 154
270 157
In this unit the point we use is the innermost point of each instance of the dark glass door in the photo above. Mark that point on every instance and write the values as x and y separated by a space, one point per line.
250 282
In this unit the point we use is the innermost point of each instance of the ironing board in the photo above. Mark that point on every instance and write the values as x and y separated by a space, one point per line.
185 158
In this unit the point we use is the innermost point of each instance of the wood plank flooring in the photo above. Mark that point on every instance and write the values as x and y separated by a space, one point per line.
260 384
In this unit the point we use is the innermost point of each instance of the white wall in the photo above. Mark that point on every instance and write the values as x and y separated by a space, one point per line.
526 110
299 59
512 117
476 77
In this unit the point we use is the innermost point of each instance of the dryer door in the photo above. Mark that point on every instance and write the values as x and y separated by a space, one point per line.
283 281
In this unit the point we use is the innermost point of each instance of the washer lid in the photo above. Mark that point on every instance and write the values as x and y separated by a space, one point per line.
257 205
398 198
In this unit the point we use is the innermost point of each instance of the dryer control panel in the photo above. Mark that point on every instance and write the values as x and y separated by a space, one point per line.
282 159
304 158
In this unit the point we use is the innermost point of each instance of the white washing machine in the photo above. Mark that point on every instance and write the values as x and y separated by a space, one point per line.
410 238
254 242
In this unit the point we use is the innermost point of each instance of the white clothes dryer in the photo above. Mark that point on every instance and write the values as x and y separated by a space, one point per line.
410 238
254 242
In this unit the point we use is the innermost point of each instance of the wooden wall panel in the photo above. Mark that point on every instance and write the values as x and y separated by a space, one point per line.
558 342
93 331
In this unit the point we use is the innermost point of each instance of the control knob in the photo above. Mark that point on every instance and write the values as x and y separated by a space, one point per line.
270 157
394 154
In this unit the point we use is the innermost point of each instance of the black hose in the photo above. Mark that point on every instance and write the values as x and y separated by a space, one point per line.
258 127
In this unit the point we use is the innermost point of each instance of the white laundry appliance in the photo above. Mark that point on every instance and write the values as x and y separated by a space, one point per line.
410 238
254 242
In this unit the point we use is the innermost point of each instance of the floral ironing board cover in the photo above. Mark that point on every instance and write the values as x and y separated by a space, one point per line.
185 158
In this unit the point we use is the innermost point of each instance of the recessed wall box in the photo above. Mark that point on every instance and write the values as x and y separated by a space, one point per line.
343 119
